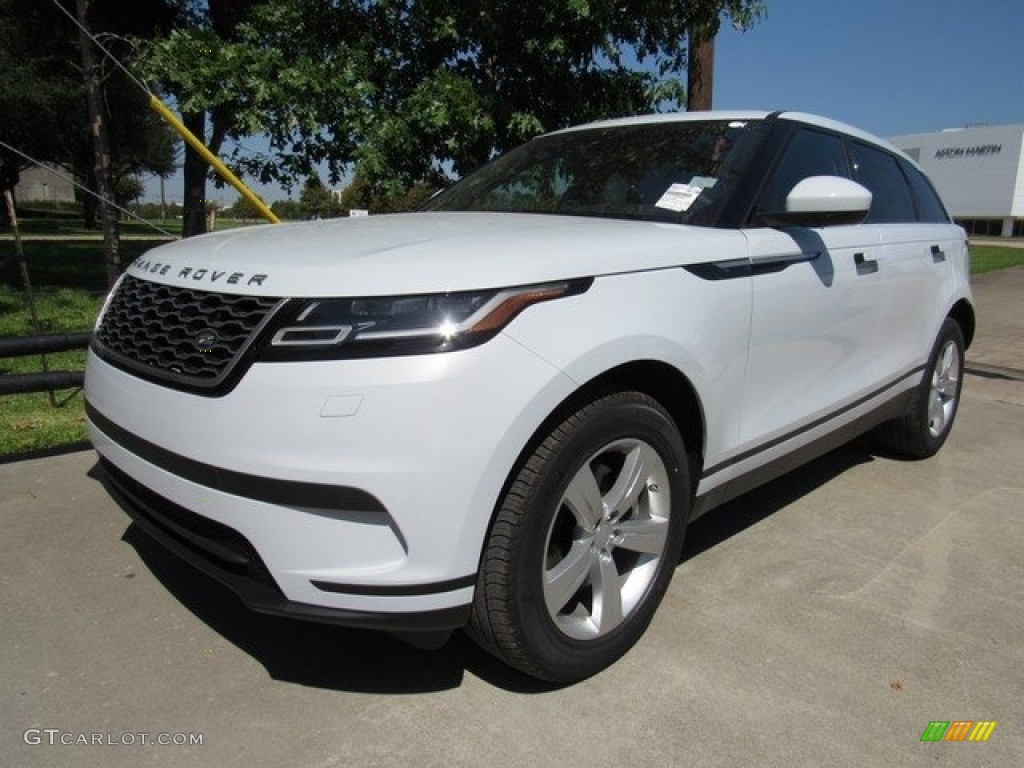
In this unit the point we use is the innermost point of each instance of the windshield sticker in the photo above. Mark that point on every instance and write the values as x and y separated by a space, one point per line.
679 197
737 124
704 182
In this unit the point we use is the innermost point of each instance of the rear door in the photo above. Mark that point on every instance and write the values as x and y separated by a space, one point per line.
911 277
812 327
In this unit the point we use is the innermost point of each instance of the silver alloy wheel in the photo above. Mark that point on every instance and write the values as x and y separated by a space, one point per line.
942 399
606 539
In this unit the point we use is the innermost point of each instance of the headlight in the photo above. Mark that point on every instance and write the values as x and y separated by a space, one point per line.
403 325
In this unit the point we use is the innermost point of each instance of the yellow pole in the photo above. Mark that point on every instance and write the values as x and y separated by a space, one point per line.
161 109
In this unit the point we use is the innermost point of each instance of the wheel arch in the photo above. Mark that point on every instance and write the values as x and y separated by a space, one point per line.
657 379
664 383
963 313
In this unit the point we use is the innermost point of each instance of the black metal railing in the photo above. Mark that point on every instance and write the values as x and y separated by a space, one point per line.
46 381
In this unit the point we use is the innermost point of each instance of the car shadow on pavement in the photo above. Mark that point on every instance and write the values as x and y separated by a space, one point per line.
749 509
337 658
323 655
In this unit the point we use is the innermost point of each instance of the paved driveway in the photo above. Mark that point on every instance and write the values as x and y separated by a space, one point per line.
823 620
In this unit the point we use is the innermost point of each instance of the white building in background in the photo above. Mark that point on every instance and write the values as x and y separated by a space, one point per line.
979 171
43 184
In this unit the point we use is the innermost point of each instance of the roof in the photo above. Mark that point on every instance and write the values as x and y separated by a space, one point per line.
740 115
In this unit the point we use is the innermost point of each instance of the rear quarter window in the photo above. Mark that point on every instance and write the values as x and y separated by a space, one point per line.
929 205
891 199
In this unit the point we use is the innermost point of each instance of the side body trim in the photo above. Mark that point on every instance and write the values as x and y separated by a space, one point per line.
810 426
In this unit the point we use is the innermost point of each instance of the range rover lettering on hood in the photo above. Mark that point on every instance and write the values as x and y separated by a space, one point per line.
198 274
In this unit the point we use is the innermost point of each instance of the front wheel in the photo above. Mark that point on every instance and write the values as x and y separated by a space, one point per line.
585 541
921 431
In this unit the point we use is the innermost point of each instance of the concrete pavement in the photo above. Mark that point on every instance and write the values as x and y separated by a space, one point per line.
824 619
999 305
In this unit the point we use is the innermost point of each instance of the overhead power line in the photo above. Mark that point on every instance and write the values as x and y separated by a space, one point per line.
103 48
82 187
161 109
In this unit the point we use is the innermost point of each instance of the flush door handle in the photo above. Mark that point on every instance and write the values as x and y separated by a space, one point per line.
865 266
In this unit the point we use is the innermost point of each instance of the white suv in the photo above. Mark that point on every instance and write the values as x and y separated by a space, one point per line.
502 411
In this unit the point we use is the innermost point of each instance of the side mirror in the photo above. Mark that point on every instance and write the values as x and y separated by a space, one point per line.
821 201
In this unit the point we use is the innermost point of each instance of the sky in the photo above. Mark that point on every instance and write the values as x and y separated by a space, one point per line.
889 67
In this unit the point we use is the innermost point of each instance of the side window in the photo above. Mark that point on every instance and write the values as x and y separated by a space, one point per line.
929 206
808 153
880 172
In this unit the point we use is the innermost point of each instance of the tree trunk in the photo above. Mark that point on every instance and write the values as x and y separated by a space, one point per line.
101 147
194 207
6 211
700 72
10 172
90 206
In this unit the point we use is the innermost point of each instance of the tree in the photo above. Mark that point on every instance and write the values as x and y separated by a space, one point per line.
35 99
365 195
42 101
241 67
243 209
316 200
99 139
475 78
127 190
287 210
411 92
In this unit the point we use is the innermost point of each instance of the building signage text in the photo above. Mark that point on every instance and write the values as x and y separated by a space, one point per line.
980 150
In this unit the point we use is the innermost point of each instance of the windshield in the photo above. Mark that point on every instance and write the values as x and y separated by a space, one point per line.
681 172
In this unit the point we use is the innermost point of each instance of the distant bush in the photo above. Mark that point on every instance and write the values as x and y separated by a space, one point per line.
155 210
48 209
288 210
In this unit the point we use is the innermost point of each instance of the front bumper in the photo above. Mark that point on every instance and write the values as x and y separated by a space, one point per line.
228 557
356 492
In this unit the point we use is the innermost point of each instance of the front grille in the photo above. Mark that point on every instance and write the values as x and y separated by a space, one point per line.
187 337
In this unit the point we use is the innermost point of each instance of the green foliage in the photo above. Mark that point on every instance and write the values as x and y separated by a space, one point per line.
244 210
288 210
127 189
361 194
37 91
411 92
317 202
42 103
252 67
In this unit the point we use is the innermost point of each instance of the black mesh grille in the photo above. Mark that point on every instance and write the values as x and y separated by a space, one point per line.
193 338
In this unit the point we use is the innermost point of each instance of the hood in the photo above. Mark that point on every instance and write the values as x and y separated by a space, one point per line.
426 253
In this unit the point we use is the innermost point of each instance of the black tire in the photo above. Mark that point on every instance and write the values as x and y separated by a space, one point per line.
627 444
922 430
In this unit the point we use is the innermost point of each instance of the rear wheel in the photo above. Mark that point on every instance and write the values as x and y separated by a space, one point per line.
585 541
923 429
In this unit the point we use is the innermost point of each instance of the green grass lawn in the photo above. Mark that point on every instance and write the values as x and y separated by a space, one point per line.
29 422
988 258
70 281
